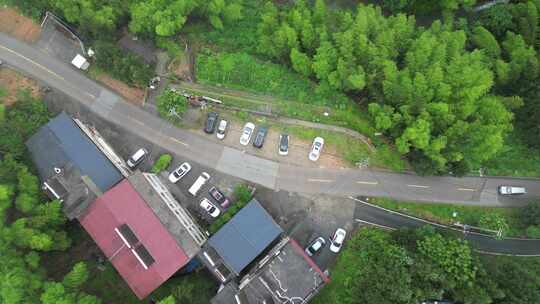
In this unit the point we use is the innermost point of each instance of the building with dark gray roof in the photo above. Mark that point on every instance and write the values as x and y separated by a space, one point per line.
73 169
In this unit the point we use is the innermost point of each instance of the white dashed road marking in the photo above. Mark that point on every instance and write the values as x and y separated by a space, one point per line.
418 186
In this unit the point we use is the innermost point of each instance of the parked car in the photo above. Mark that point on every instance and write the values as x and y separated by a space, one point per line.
315 246
337 240
138 157
246 133
201 180
212 210
180 172
211 121
258 142
511 190
283 148
316 148
216 194
222 127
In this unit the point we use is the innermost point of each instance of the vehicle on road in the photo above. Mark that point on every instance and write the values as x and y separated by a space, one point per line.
154 82
197 185
511 190
246 133
222 127
211 121
216 194
138 157
315 246
180 172
283 148
316 148
337 240
1 62
212 210
258 142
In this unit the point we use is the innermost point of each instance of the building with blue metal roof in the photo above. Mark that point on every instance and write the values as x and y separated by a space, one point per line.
70 165
62 142
240 241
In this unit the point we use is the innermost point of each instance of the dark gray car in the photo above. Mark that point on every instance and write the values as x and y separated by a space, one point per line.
211 122
259 137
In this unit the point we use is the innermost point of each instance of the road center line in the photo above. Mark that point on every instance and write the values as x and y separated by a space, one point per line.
367 183
466 189
418 186
317 180
33 62
178 141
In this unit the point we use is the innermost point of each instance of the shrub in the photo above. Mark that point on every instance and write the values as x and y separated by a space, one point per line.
533 232
121 65
530 215
162 163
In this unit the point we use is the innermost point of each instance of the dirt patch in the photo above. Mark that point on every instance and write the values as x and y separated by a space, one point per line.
184 66
13 82
18 26
131 94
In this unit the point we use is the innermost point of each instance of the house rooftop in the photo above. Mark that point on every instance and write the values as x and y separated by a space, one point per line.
176 219
133 239
62 143
75 191
245 236
287 275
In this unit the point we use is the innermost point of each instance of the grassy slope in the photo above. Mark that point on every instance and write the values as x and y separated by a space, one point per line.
515 159
442 213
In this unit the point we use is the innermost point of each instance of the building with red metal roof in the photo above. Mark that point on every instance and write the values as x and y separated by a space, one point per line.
127 223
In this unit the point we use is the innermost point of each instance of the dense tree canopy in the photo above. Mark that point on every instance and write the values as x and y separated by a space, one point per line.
34 225
167 17
427 90
410 266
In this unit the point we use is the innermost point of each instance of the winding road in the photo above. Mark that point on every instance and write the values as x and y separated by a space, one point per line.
366 213
110 106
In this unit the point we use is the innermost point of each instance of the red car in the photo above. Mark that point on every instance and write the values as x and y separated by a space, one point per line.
219 197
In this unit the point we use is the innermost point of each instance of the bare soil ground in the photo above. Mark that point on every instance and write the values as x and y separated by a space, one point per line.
12 82
131 94
18 26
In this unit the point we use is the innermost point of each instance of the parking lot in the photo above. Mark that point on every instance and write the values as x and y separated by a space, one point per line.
298 148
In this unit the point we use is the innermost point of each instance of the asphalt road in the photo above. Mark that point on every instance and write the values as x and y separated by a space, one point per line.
108 105
366 213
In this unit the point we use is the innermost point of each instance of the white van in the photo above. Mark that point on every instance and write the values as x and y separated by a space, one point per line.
510 190
197 185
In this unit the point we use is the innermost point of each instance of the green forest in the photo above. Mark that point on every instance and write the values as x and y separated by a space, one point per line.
450 89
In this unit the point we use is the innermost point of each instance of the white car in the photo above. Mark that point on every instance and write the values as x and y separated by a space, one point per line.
315 246
337 240
316 148
221 129
180 172
209 207
138 157
246 133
